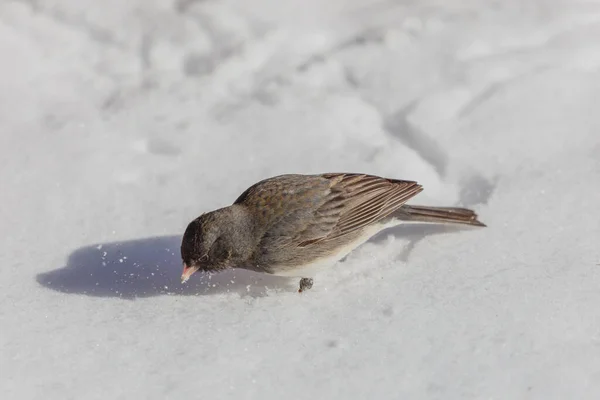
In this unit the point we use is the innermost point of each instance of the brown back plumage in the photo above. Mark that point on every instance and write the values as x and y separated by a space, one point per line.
360 200
311 215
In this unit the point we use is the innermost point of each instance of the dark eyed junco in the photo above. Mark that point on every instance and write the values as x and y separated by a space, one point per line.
290 224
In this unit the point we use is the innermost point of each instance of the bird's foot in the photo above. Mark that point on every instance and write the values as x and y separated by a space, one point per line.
305 284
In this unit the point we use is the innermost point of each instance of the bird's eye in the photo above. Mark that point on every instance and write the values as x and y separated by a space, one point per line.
204 257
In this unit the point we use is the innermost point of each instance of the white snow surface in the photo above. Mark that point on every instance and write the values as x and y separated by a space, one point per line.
120 122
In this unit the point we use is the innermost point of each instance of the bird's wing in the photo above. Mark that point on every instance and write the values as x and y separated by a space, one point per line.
302 210
353 202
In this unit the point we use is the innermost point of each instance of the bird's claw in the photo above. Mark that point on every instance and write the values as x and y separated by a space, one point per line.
305 284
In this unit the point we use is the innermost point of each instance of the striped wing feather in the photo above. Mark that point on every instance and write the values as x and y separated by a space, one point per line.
354 202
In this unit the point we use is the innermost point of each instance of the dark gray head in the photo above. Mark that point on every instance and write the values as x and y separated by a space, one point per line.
214 241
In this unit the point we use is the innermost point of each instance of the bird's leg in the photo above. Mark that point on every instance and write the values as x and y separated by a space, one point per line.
305 284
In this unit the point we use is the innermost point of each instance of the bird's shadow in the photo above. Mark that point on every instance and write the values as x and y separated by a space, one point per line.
152 267
149 267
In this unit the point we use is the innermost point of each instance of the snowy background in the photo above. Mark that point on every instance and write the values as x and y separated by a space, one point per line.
122 121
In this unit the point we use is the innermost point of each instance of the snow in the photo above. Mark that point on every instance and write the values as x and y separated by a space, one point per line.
121 122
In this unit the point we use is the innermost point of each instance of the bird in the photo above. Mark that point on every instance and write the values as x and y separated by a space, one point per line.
295 224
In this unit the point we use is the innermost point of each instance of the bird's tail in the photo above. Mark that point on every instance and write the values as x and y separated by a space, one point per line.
451 215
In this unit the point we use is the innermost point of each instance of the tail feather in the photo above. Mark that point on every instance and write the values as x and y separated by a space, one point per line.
438 214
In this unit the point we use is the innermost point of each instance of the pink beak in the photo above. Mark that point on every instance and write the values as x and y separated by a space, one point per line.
187 272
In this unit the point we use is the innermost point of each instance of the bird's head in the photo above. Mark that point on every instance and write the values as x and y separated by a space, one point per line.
203 248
